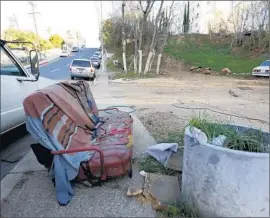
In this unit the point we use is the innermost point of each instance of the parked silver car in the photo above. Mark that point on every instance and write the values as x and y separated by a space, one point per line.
82 68
262 70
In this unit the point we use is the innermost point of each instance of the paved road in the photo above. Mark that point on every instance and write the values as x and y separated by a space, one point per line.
16 143
59 68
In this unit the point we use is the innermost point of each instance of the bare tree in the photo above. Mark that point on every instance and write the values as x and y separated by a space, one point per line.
238 22
177 18
14 21
124 37
153 42
135 57
146 11
168 21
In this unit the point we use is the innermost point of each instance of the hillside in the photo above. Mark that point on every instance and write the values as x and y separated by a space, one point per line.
199 50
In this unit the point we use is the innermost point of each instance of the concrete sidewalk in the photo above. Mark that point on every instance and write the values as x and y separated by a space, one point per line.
28 191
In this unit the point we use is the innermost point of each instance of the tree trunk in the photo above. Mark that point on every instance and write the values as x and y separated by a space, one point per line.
140 44
158 63
135 58
153 42
166 33
124 37
152 60
146 12
131 63
140 61
147 64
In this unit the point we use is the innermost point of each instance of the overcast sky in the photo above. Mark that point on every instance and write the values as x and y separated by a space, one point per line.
60 16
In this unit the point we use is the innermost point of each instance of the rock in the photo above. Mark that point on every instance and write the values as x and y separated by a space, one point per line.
208 68
193 68
207 72
232 93
226 71
198 70
132 191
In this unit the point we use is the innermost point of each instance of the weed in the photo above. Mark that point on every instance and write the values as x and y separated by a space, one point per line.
175 137
151 165
250 140
183 210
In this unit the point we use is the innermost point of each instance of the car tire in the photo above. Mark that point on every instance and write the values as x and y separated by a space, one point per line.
72 77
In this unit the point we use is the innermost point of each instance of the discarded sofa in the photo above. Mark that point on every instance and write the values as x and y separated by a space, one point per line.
74 141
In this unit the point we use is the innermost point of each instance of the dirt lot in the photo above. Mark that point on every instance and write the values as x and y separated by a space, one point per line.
165 104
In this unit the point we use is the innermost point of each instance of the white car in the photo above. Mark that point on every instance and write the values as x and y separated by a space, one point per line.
75 48
82 68
97 54
64 54
16 84
262 70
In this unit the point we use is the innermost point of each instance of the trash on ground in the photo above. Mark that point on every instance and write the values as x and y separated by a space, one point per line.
162 152
219 141
71 150
132 191
142 173
232 93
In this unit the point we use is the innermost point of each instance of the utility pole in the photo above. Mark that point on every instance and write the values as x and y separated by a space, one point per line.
101 35
33 5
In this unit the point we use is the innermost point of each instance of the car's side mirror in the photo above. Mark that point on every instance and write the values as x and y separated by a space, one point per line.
34 63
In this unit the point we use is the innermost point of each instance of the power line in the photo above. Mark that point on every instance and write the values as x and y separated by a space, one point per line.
33 5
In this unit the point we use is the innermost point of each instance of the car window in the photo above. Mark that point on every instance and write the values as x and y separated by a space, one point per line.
94 59
8 66
80 63
265 63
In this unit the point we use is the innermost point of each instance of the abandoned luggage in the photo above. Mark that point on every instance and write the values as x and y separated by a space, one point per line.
74 141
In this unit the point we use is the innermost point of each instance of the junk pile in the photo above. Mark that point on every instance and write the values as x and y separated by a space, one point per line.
158 189
74 140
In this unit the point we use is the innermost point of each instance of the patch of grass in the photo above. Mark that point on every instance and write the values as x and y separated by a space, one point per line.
180 211
110 65
198 51
250 140
151 165
175 137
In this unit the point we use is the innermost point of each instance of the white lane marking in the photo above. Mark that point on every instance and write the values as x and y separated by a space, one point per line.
55 70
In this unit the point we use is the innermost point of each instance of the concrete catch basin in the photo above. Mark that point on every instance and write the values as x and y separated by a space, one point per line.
222 182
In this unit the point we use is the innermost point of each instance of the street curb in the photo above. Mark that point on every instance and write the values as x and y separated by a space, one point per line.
11 179
44 63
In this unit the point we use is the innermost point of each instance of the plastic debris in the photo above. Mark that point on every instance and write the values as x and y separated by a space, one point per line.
162 152
219 141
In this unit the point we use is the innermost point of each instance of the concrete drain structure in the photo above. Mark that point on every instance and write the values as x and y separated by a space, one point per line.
222 182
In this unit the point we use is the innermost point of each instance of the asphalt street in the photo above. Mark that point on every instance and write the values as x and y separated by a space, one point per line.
16 143
59 69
